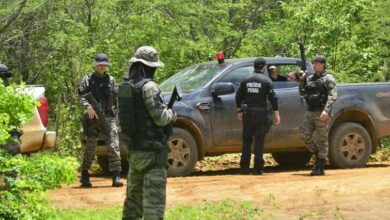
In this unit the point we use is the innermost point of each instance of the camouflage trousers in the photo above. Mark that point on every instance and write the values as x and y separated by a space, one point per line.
112 143
146 187
314 133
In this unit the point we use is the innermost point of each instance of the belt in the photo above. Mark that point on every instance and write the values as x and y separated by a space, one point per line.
257 109
147 146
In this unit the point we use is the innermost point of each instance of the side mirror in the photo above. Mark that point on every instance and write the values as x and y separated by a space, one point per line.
222 88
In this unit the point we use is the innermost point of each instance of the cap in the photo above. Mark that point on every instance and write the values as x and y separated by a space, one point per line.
259 62
101 59
148 56
319 58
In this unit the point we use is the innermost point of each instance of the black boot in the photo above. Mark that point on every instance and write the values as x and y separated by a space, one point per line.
84 180
116 179
315 166
318 169
257 172
244 171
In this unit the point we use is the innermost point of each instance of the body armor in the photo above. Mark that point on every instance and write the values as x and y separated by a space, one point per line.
135 121
316 93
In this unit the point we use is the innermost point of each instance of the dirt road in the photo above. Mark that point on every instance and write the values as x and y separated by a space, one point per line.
284 194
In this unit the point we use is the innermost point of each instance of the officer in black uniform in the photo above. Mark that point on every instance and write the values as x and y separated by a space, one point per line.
251 102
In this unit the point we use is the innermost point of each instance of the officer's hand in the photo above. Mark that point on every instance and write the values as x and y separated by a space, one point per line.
276 117
324 116
302 75
174 115
91 113
239 116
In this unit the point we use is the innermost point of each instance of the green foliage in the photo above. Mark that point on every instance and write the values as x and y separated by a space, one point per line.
347 32
226 209
112 213
16 106
385 145
54 42
25 197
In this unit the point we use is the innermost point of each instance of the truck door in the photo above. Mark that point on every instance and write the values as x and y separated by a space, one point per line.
291 108
226 128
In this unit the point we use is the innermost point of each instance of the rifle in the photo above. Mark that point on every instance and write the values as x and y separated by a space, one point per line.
302 84
174 97
168 130
303 58
99 112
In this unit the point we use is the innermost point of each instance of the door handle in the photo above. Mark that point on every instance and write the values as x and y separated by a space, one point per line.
203 106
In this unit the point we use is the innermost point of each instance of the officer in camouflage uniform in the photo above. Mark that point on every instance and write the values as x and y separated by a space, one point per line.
144 118
319 91
103 89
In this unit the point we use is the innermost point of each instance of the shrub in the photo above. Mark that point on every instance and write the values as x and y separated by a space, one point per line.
24 180
24 196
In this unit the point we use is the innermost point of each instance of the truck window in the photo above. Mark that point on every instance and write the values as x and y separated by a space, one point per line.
237 75
284 75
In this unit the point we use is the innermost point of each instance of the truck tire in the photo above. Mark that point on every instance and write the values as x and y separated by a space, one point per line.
182 153
292 159
349 146
103 163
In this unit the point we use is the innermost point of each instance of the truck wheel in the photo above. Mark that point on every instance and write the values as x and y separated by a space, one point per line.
103 163
349 146
182 153
292 159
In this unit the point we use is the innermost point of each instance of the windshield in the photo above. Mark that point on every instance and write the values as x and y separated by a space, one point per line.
191 78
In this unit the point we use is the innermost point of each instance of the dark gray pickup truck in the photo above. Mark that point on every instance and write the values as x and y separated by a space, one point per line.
207 123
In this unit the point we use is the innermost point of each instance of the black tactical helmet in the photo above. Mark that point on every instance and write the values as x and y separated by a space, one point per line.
101 59
320 59
4 71
259 63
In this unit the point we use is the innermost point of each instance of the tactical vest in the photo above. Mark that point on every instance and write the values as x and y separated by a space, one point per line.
134 118
108 94
316 93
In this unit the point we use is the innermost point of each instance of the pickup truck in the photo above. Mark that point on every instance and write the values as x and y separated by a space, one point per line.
35 135
207 123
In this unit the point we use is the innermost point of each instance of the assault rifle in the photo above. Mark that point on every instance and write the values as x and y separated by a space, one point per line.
303 58
168 130
99 112
174 97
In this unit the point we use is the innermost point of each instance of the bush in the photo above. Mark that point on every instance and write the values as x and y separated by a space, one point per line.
385 144
25 180
15 107
24 197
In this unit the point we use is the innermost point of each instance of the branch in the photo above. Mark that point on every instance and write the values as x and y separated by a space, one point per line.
13 17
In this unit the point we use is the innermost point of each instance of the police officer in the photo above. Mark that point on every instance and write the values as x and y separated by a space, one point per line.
251 101
103 89
148 149
319 91
5 74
